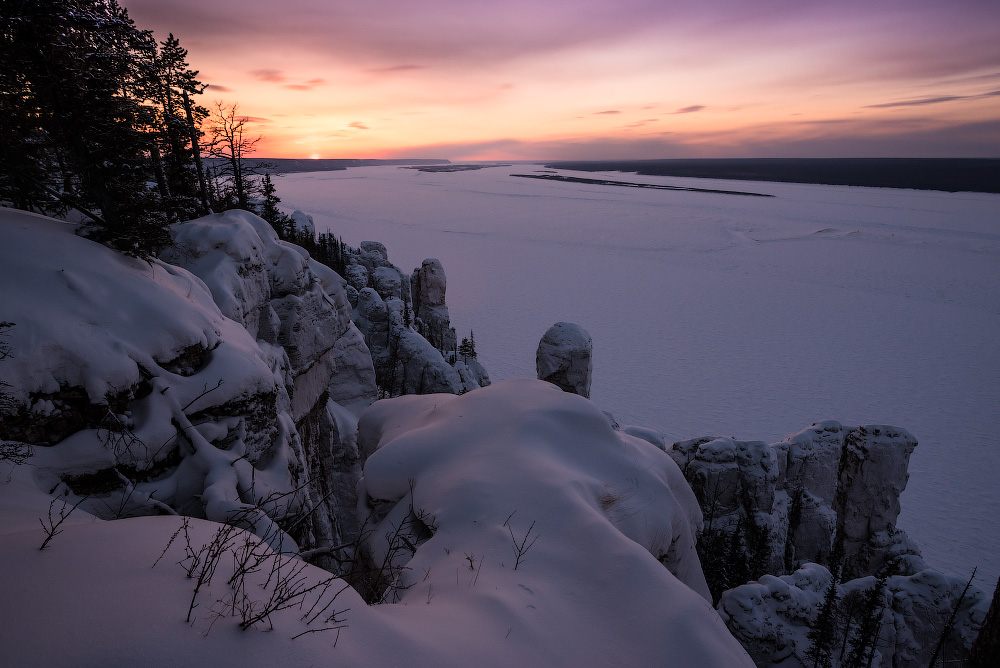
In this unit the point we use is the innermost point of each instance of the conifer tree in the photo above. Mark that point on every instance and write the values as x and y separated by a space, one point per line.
173 85
467 348
870 624
823 633
78 128
269 206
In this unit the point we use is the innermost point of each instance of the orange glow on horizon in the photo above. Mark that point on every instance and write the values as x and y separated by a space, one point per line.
591 80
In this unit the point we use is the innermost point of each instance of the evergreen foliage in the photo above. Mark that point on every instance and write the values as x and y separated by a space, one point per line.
865 639
5 401
823 634
467 348
91 117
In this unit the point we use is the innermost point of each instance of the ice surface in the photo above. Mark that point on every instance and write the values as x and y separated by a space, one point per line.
727 315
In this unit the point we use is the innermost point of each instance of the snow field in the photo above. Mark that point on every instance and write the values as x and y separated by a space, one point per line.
726 315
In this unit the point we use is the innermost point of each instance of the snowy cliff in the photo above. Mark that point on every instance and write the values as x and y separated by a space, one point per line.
224 381
780 517
202 387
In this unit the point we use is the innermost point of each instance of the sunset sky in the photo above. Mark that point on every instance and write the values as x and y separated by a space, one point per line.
567 79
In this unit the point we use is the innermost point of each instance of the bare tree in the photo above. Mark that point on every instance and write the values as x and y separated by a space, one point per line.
231 142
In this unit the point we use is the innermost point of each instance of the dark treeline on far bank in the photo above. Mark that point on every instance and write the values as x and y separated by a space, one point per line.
293 165
948 174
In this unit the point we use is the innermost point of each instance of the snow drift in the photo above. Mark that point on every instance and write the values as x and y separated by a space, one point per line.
534 533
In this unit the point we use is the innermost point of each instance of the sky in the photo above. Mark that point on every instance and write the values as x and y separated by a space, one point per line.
598 79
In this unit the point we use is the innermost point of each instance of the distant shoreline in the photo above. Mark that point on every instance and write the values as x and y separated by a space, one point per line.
629 184
948 174
294 165
980 175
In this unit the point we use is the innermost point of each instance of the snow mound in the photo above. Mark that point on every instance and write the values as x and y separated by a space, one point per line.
593 513
519 504
88 317
201 383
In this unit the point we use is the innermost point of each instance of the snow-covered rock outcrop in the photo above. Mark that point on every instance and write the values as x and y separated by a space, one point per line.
898 621
825 489
406 325
202 387
431 318
780 517
405 362
523 531
564 358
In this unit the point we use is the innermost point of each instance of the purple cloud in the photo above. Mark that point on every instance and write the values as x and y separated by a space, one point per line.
394 68
932 100
274 76
690 110
611 111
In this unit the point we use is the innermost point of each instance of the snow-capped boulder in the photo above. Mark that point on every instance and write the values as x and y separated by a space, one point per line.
375 249
388 283
473 375
116 362
521 497
357 276
428 285
564 358
306 299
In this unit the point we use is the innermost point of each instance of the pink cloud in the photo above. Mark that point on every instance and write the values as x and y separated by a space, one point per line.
274 76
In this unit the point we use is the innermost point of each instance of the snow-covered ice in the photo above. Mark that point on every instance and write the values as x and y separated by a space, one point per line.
726 315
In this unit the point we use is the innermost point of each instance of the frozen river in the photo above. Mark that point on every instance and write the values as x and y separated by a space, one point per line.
719 314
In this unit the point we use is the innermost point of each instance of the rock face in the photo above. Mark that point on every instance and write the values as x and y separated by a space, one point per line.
822 490
405 324
564 358
326 366
405 362
778 517
226 374
431 318
772 618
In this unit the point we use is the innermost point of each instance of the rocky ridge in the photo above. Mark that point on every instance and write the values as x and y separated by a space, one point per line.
223 380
